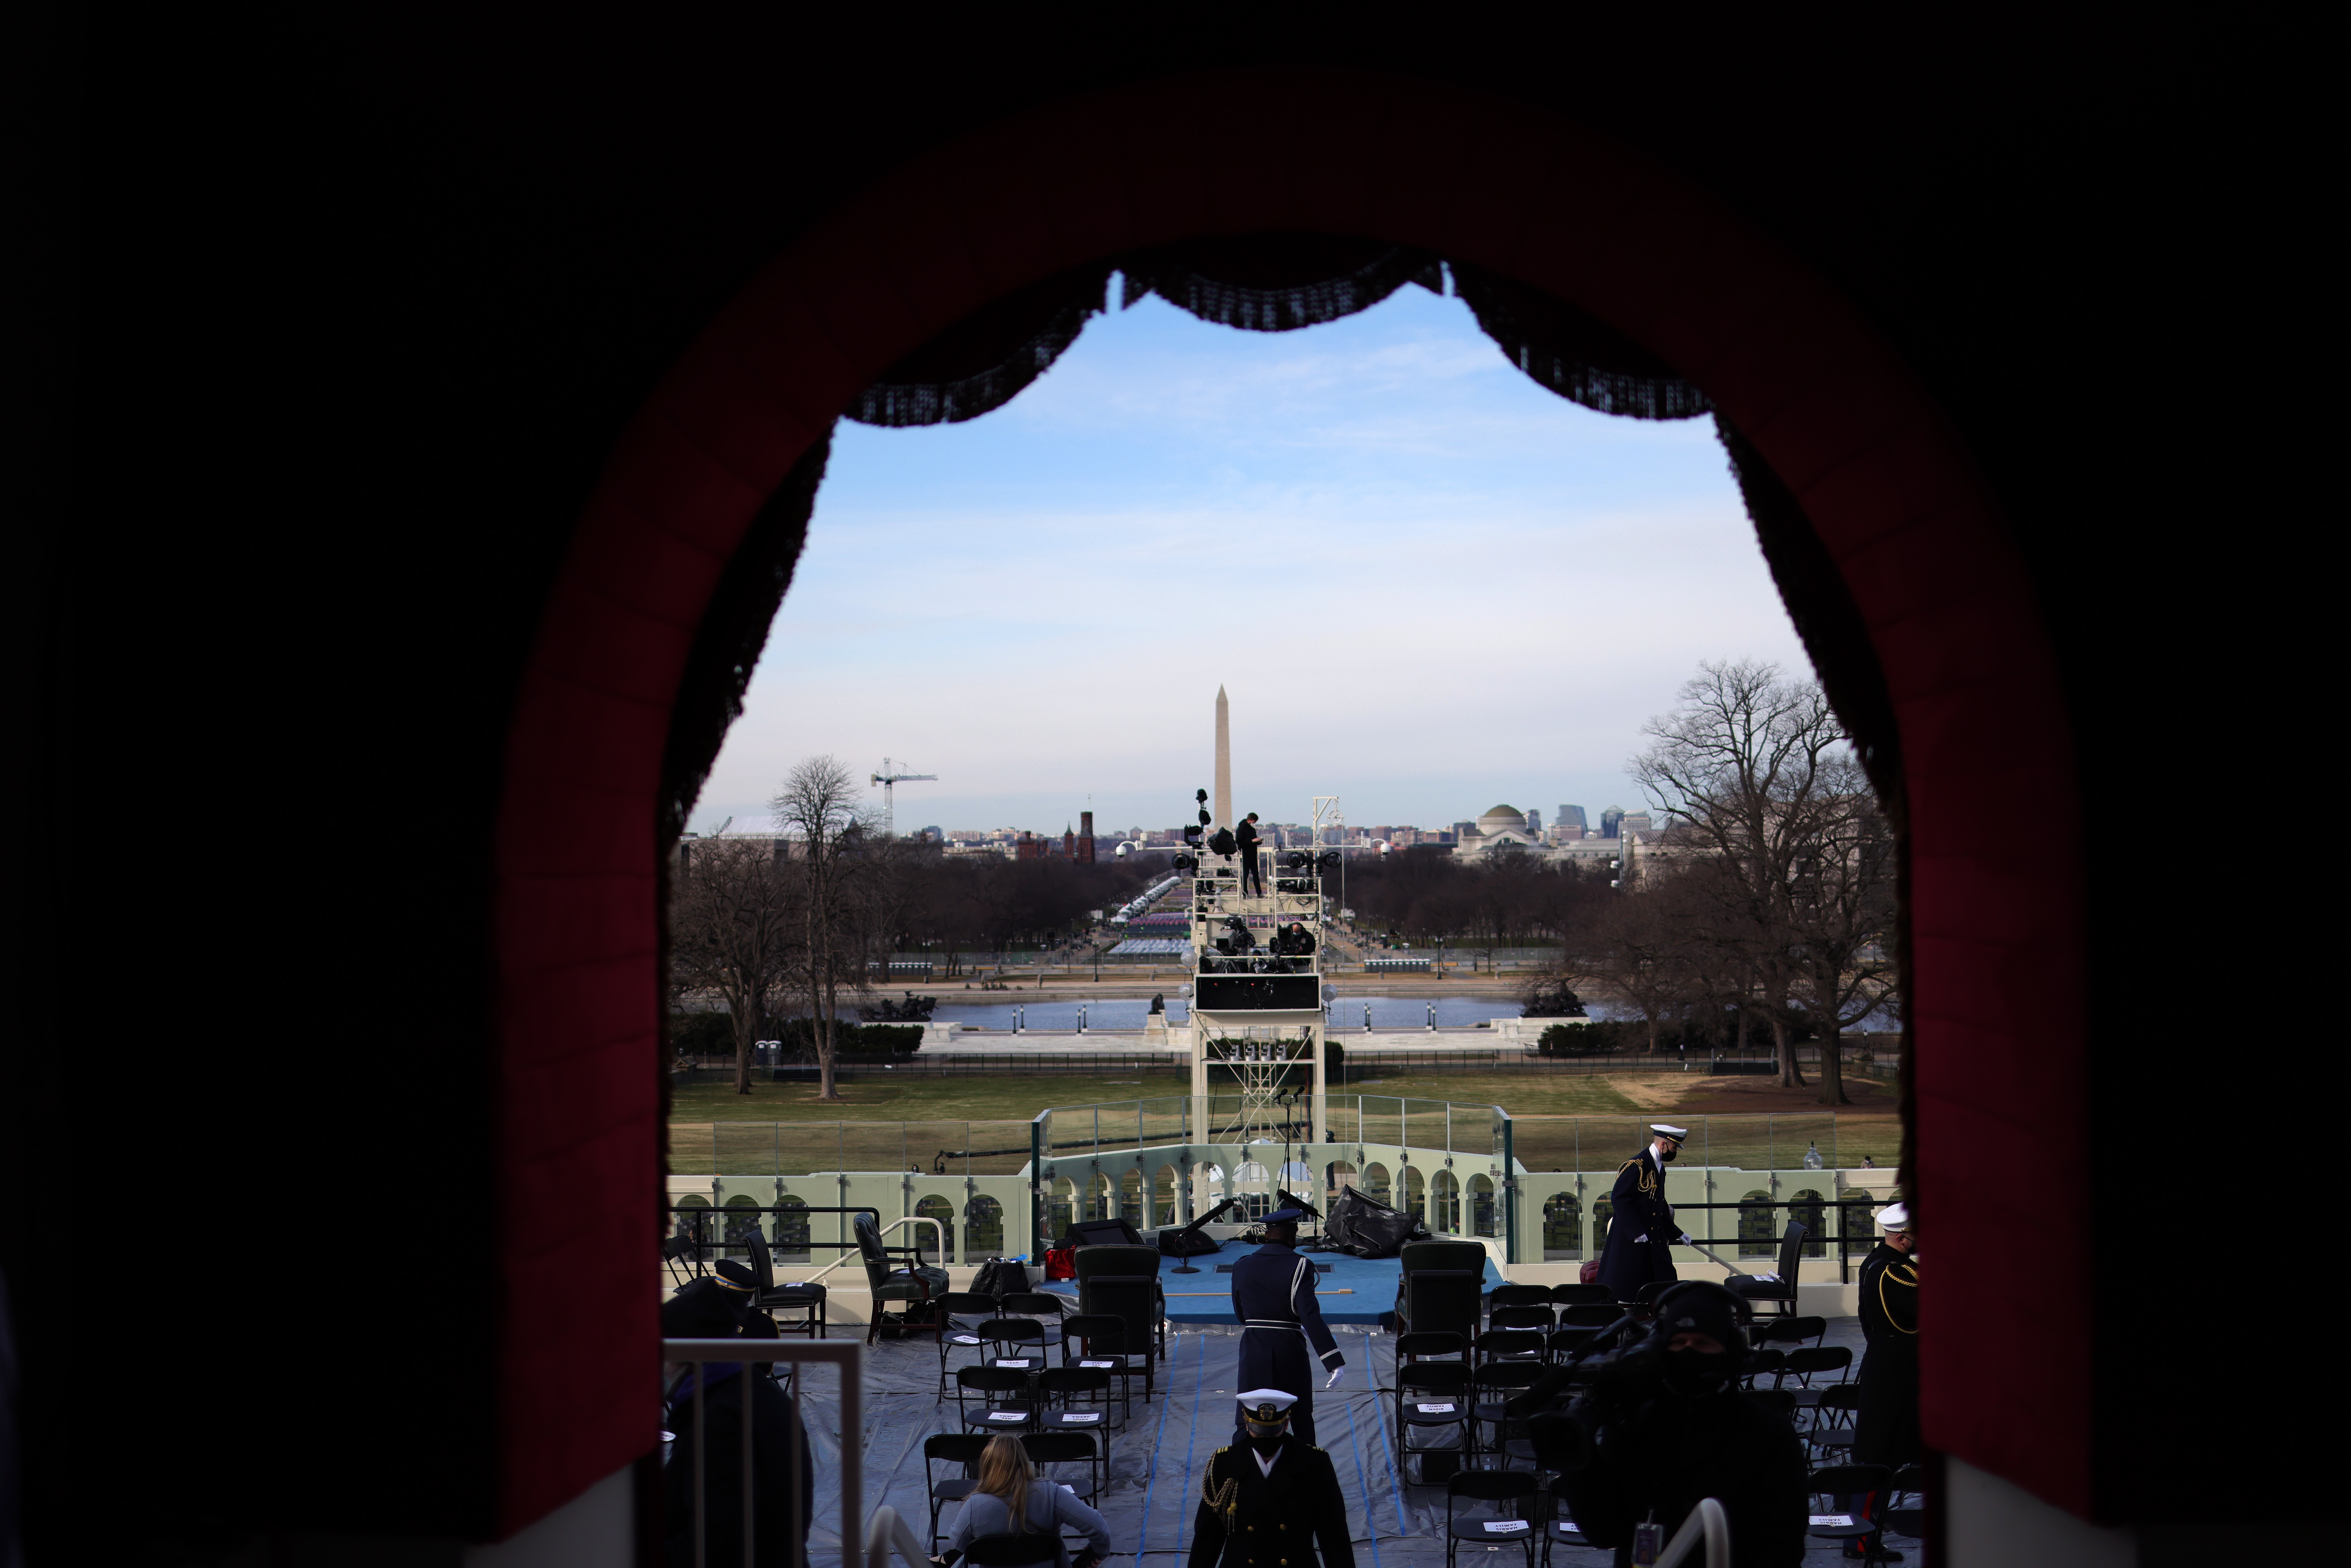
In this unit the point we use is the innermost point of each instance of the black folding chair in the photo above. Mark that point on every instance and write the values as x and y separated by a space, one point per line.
1088 1449
961 1312
1828 1522
801 1306
1511 1345
1580 1295
1908 1520
677 1254
1498 1528
1044 1306
1097 1342
1075 1399
955 1449
1021 1340
1806 1363
995 1399
1517 1296
1561 1344
1790 1331
1492 1385
1134 1301
1432 1399
1538 1318
1834 1410
1763 1362
1447 1307
1779 1294
1589 1315
1430 1344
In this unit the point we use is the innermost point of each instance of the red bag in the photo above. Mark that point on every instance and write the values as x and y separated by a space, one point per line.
1590 1272
1060 1262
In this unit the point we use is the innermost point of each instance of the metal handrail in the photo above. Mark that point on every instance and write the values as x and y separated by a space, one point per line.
937 1225
1707 1521
846 1354
889 1533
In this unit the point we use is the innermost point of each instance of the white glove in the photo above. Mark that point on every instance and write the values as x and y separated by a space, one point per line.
1334 1380
1685 1240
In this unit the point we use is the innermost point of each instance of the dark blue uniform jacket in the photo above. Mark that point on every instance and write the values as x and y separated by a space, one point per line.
1273 1297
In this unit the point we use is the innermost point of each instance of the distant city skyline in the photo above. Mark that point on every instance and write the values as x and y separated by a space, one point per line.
1427 584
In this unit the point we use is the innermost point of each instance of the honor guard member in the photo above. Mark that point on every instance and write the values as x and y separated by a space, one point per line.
1641 1229
1273 1297
1885 1427
1273 1498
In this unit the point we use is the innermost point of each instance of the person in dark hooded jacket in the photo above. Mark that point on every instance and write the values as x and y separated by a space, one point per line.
719 1307
1669 1426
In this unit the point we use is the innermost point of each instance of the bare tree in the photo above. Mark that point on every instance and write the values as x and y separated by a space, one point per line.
818 807
1842 905
1757 774
736 921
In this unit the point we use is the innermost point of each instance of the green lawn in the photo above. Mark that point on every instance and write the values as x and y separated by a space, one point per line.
1564 1122
981 1097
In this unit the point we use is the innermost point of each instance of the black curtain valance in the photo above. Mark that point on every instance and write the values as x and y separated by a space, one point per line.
1269 283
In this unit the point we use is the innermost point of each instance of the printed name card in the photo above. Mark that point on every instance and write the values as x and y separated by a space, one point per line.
1106 1364
1445 1409
963 1339
1005 1416
1016 1363
1504 1526
1832 1519
1077 1418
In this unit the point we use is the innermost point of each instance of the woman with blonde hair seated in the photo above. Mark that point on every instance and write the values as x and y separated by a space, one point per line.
1009 1501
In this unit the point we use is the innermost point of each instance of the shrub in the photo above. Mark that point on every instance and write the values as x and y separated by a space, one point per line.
1578 1040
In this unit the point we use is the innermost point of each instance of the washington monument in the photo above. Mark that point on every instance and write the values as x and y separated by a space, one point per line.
1224 807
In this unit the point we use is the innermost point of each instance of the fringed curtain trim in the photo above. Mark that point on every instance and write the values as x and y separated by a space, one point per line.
1279 283
983 362
1576 356
727 644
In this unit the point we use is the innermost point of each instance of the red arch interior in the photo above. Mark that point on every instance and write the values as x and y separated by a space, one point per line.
1997 939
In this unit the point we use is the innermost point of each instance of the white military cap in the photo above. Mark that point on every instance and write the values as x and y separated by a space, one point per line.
1663 1131
1894 1217
1266 1406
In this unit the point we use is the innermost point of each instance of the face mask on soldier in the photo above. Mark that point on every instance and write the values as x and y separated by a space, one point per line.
1265 1440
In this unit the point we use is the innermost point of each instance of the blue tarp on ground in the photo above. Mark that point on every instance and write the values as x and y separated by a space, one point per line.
1355 1291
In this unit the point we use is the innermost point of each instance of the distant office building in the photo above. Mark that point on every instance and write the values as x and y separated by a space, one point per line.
1534 821
1461 831
1573 817
1567 832
1610 821
934 835
1634 822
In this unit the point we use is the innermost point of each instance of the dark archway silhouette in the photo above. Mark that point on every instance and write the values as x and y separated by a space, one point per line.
1828 406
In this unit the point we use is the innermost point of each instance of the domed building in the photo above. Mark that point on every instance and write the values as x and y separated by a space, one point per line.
1500 826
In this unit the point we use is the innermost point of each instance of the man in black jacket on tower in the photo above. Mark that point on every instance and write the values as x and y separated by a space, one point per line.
1247 836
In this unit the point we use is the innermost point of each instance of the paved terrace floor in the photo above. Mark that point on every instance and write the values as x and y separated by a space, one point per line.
1157 1455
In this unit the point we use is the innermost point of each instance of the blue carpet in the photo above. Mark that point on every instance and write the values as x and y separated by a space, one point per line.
1206 1297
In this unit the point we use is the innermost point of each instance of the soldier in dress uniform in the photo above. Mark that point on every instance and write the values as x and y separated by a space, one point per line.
1641 1229
1885 1427
1273 1498
1282 1331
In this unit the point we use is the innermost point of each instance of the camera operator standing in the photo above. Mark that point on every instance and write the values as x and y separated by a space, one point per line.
1665 1424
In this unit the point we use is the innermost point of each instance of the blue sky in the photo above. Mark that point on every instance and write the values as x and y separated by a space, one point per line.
1427 584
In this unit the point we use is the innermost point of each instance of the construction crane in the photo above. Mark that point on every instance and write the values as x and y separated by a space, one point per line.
888 777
